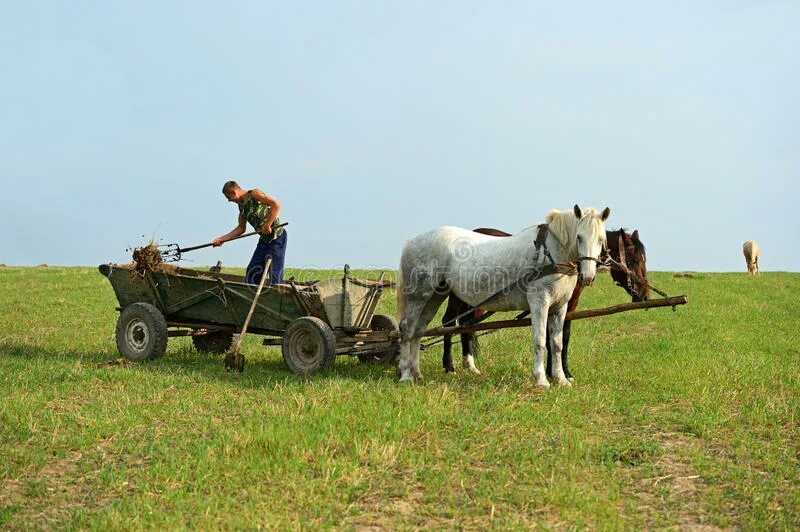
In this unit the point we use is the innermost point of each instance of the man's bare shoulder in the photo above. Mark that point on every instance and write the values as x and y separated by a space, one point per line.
259 195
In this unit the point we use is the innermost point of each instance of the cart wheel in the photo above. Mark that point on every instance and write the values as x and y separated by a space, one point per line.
214 342
308 345
141 332
381 322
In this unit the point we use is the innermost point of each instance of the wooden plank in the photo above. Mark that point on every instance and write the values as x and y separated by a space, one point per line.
190 301
578 315
366 337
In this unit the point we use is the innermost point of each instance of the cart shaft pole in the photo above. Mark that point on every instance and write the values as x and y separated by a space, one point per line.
577 315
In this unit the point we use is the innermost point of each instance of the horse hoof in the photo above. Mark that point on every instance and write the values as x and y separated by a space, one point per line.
542 383
565 382
474 370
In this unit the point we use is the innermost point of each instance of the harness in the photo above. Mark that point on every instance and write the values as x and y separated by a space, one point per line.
539 270
542 253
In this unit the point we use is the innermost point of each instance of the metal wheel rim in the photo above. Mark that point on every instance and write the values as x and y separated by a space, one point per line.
137 335
306 349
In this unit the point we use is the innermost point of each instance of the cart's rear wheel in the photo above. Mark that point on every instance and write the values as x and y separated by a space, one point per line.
309 345
141 332
214 342
382 322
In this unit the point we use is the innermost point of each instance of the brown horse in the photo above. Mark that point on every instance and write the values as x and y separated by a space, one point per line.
629 270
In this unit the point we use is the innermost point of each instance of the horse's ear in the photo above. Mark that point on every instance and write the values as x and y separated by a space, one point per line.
578 213
636 234
606 214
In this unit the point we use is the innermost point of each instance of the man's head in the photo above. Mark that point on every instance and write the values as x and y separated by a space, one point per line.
232 191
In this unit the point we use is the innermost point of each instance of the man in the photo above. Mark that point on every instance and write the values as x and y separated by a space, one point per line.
260 211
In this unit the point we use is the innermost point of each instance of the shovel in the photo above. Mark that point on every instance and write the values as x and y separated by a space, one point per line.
233 359
173 252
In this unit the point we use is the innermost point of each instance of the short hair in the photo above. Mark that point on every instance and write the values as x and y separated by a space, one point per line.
230 185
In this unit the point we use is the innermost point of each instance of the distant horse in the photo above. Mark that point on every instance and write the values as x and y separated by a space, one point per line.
500 274
633 280
751 253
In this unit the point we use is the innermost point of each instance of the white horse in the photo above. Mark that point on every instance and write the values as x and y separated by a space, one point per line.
500 274
751 253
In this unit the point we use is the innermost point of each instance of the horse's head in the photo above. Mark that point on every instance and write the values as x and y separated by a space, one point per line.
629 263
591 240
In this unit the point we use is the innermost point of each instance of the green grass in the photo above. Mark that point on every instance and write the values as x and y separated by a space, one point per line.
676 420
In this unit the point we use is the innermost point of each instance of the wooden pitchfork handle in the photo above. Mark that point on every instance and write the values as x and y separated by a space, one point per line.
252 308
186 250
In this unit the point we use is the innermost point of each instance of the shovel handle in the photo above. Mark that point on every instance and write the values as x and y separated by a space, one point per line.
253 306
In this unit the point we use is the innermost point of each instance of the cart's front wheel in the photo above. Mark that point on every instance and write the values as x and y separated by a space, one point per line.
309 345
141 332
214 342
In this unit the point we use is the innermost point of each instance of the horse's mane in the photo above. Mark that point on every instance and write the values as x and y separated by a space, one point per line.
564 225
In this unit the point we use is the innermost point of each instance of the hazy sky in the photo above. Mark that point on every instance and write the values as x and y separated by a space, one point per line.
375 121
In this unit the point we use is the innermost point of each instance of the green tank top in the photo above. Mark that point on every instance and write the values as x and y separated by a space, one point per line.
256 213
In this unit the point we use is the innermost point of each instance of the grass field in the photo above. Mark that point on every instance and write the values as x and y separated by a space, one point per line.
682 420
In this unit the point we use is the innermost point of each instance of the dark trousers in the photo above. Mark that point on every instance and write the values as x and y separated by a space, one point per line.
275 249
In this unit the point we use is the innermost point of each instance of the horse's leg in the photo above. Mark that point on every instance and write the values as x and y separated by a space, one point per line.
447 354
548 366
539 304
409 345
419 312
555 325
451 312
425 317
565 348
469 344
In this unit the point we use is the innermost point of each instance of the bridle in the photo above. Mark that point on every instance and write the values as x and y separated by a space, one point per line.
544 229
630 277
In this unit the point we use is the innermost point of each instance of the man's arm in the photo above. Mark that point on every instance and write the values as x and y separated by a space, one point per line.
275 209
236 231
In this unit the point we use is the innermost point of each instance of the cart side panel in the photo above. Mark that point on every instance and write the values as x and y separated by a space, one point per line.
208 300
347 304
204 298
128 288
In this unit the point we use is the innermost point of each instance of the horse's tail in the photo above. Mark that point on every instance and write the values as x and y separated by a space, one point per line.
401 293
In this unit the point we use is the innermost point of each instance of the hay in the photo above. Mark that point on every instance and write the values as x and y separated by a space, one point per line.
146 259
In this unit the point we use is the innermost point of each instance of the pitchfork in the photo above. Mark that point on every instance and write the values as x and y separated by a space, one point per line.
173 252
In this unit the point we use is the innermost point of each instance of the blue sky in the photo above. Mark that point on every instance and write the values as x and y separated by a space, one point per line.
375 121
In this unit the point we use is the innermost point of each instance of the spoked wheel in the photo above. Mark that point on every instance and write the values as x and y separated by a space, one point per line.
214 342
381 322
309 345
141 332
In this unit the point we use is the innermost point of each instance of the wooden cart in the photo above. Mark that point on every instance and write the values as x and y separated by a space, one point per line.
313 322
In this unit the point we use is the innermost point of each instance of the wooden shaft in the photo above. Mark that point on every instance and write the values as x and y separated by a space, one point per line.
253 306
577 315
193 248
186 250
